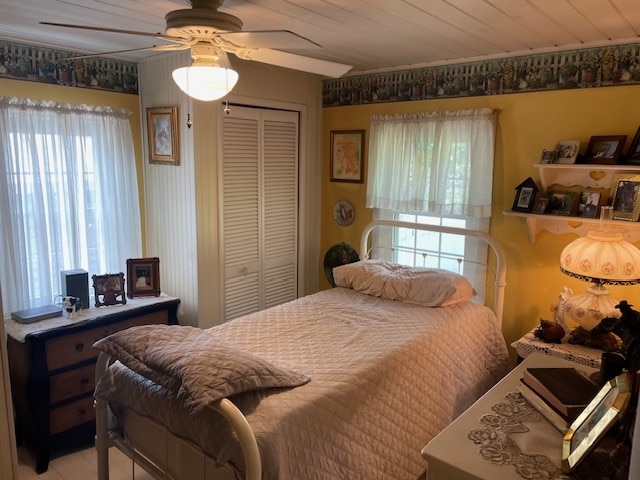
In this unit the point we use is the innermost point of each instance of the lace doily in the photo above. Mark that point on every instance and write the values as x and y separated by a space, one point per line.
497 447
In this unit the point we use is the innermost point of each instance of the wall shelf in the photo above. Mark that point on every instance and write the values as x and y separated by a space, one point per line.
587 176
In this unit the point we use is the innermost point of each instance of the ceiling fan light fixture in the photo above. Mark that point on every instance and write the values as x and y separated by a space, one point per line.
206 83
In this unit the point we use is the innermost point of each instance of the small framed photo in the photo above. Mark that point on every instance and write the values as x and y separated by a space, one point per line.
548 156
595 420
562 202
605 149
109 289
540 205
588 203
567 151
347 156
625 191
162 133
143 277
525 196
633 154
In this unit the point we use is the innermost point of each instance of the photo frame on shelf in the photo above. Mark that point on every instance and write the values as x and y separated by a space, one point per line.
109 289
143 277
347 156
625 192
525 196
566 151
548 156
562 202
604 149
633 154
540 205
162 135
595 420
589 203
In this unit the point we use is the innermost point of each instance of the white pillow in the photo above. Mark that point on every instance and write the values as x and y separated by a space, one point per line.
430 287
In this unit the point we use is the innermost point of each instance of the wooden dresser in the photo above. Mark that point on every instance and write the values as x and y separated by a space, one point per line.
52 370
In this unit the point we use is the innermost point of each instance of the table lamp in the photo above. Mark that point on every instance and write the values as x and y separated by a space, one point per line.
604 258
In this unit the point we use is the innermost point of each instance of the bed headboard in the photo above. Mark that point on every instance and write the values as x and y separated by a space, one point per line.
501 265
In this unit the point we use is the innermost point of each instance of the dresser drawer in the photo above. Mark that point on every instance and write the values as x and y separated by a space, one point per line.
71 384
77 347
71 415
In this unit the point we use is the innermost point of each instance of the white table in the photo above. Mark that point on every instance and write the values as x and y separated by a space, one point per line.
580 354
452 455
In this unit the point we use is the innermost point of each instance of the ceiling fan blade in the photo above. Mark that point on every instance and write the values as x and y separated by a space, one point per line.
278 39
163 48
114 30
295 62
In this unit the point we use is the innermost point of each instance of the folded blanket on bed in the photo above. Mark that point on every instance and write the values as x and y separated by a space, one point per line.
193 364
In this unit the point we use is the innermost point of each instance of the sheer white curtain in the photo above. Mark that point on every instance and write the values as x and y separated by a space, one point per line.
440 163
68 196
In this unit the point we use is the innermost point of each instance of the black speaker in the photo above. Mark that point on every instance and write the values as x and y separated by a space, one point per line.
75 283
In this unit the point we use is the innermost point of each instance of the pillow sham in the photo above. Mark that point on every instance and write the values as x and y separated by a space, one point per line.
193 364
430 287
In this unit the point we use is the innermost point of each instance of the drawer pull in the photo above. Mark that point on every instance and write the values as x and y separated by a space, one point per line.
82 411
79 347
84 381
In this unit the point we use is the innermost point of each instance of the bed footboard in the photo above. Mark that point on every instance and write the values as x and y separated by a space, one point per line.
106 439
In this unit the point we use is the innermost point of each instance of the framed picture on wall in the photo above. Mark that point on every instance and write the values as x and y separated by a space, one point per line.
347 156
633 155
162 134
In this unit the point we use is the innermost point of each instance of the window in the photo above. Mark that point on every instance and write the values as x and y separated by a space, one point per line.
69 196
433 168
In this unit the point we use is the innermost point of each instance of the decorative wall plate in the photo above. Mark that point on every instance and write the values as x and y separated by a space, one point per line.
343 213
339 254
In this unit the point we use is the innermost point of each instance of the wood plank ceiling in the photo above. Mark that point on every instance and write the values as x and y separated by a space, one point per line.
368 34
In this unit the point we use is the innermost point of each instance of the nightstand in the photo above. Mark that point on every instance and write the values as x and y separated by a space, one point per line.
579 354
52 369
470 450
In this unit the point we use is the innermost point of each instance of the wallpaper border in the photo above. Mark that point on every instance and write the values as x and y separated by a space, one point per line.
20 61
583 68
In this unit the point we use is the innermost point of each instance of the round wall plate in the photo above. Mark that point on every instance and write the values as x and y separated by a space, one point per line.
343 213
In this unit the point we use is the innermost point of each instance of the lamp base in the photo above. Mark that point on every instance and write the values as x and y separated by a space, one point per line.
589 308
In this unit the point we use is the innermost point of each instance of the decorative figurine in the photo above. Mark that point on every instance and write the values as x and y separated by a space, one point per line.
549 331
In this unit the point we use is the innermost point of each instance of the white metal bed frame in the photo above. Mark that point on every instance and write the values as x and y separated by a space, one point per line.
105 439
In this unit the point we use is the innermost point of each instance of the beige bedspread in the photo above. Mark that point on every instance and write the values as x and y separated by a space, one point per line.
385 378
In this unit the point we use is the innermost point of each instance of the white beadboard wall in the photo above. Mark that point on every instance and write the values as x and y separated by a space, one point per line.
182 202
170 190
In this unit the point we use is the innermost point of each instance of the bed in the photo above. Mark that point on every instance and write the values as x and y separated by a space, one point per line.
360 378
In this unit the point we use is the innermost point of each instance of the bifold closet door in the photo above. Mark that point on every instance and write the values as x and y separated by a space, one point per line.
259 199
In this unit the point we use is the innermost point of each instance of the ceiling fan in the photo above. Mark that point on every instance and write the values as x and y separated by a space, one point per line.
210 34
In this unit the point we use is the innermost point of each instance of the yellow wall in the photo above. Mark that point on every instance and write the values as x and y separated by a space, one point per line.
527 123
58 93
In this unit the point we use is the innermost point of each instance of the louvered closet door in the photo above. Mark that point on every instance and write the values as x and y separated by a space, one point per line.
259 209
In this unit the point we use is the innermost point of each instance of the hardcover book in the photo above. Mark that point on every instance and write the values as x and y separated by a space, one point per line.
555 418
566 389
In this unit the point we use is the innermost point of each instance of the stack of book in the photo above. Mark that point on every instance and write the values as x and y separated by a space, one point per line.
560 394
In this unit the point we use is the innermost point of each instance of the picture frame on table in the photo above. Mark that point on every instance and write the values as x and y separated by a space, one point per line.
589 203
162 135
604 149
566 151
347 156
633 154
595 420
562 202
109 289
625 192
143 277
